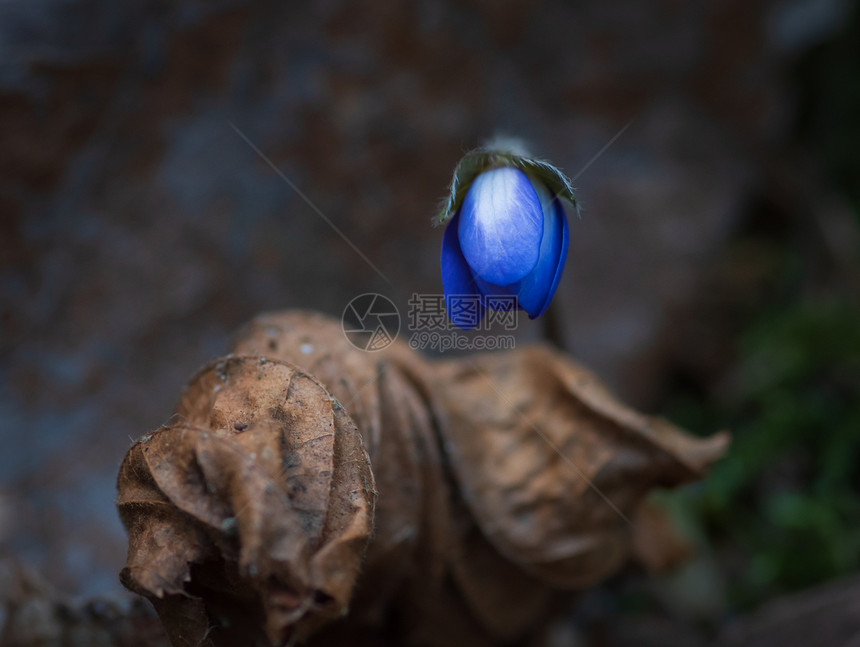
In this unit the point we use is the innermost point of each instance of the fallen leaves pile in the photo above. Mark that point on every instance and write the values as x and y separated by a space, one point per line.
306 490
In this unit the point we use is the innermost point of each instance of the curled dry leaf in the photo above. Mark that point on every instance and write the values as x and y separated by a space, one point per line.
657 545
552 466
252 512
502 480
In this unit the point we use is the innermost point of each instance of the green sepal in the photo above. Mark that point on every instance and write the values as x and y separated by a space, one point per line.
483 159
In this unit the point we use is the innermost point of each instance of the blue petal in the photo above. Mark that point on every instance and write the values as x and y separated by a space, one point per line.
499 297
501 226
537 289
462 298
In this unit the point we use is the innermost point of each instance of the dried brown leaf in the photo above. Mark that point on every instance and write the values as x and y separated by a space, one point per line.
657 545
502 479
552 466
259 503
412 535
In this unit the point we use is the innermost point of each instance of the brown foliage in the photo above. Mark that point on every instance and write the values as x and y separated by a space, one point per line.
448 502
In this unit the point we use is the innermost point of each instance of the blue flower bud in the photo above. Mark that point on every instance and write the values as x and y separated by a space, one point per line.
507 237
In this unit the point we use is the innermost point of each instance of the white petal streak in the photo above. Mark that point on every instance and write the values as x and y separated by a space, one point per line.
502 225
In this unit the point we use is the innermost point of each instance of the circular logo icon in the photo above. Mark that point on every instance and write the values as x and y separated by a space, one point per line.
370 321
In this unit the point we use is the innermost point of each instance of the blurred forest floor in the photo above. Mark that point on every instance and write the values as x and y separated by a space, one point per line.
714 276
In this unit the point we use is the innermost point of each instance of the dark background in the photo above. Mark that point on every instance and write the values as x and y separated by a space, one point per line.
713 276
